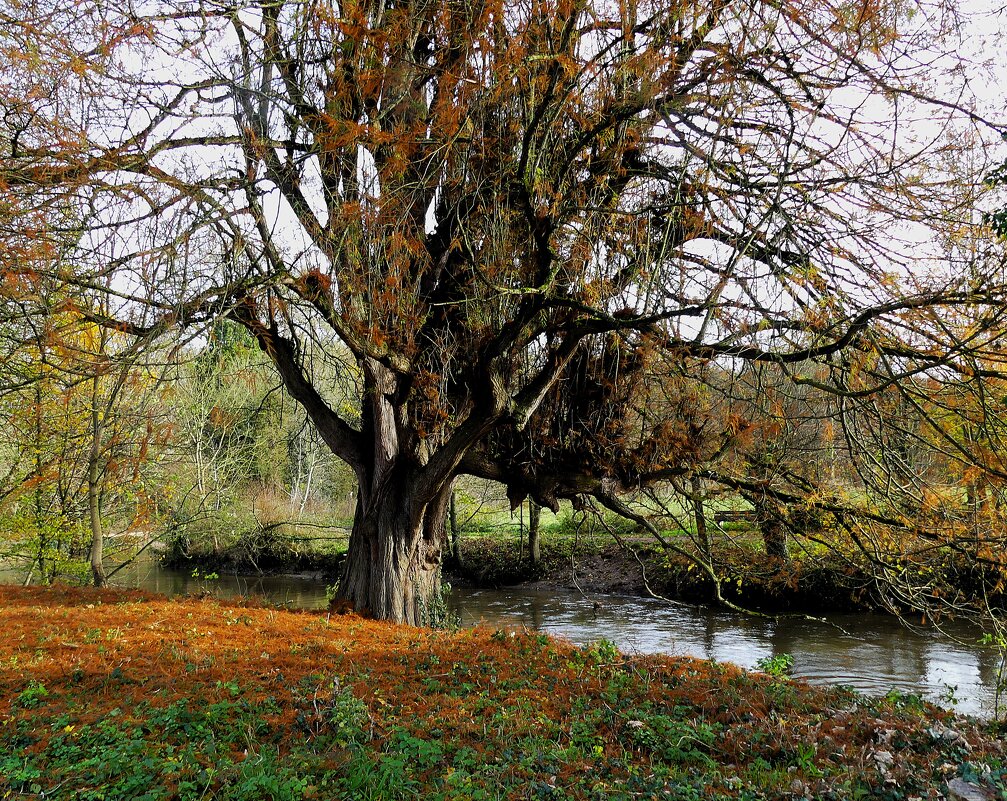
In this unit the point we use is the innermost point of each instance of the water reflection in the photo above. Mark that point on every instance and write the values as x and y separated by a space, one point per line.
871 653
296 592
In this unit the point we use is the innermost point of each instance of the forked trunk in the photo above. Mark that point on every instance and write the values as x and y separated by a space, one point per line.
393 565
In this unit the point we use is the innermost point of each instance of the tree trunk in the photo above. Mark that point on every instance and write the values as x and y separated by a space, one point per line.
392 569
534 546
97 539
39 527
774 533
94 502
456 543
393 565
699 510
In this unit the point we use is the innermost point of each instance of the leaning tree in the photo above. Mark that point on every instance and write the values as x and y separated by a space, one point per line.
500 217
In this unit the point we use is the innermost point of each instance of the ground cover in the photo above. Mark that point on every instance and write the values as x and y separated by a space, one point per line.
121 695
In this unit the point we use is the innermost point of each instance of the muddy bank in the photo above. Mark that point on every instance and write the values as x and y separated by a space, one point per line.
748 579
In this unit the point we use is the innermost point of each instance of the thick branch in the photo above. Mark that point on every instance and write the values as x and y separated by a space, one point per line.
343 439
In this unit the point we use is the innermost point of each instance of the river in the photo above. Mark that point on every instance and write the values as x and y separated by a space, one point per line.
871 653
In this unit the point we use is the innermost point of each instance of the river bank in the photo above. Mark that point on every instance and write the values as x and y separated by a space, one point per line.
823 584
871 653
827 584
127 695
594 566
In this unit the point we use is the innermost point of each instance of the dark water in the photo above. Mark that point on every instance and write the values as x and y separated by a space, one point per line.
871 653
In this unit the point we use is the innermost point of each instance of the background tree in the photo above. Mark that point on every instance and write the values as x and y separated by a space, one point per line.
510 213
80 432
246 476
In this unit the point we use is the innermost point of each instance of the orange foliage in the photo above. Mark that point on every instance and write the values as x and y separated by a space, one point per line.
162 651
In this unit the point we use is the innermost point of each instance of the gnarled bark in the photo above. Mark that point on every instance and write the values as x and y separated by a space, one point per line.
392 568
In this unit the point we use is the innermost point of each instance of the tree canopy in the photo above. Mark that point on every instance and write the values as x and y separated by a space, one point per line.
549 241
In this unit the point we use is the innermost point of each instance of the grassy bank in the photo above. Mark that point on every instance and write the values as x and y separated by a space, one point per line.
119 695
273 548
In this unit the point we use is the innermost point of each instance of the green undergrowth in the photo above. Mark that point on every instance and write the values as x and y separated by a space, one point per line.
827 581
206 700
749 578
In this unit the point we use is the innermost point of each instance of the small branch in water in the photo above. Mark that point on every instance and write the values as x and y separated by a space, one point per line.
643 568
135 556
623 511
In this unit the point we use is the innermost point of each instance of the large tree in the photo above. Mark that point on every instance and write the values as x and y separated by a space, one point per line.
509 212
